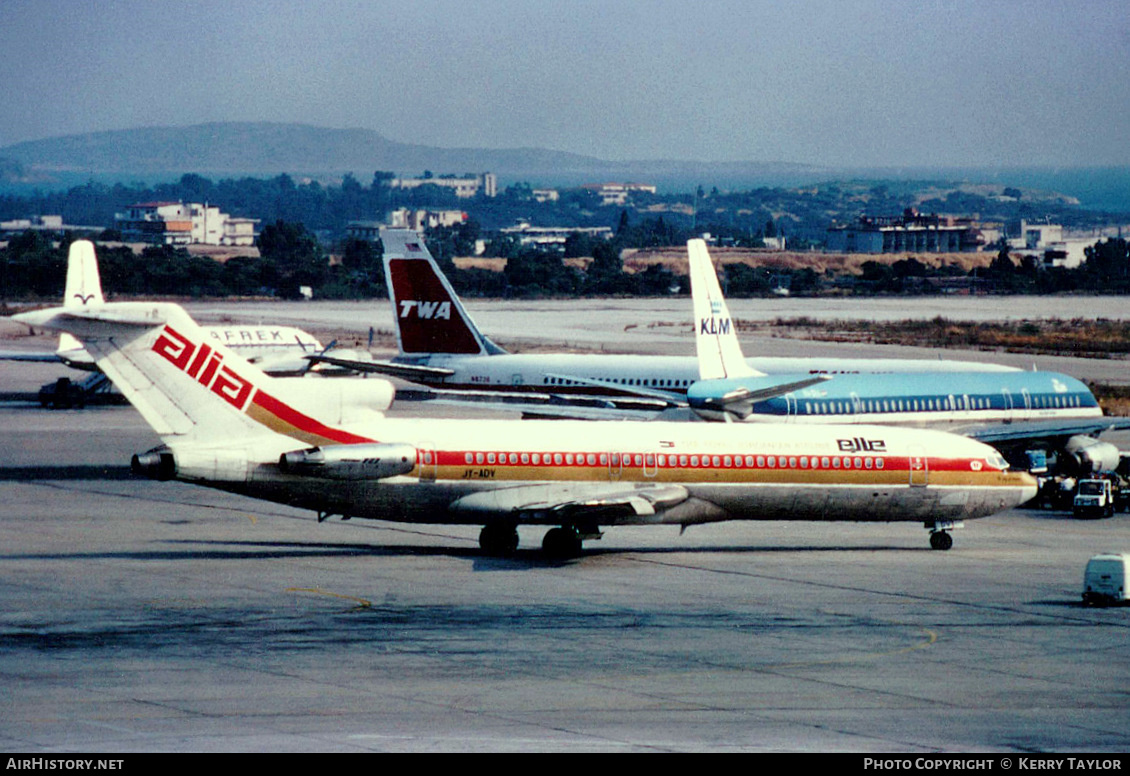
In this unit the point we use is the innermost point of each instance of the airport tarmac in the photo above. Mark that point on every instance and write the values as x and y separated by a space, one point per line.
146 616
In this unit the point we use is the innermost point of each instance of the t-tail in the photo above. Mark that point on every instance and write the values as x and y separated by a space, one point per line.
430 319
84 288
197 393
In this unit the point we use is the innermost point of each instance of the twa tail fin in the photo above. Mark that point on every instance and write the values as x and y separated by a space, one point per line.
429 317
716 337
189 390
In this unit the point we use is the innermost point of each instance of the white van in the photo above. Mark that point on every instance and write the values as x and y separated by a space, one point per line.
1104 581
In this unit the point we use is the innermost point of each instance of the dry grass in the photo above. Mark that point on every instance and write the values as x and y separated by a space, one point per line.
1114 399
675 259
1099 338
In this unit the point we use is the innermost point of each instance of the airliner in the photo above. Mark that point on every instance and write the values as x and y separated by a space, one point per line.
441 347
326 445
278 350
1011 410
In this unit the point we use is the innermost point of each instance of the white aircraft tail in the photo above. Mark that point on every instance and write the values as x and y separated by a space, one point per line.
429 317
716 338
84 287
190 389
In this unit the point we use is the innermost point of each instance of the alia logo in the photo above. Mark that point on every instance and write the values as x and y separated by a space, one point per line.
204 365
861 445
425 310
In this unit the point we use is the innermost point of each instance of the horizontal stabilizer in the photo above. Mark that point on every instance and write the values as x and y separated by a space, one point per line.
737 396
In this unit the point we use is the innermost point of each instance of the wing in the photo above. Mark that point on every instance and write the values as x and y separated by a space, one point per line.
411 372
607 503
999 434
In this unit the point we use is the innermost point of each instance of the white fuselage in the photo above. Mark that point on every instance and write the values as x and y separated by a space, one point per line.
478 471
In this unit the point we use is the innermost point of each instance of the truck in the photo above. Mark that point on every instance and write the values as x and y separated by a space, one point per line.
1101 496
1094 498
1104 579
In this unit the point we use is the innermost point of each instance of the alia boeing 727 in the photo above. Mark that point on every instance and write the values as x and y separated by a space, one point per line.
325 445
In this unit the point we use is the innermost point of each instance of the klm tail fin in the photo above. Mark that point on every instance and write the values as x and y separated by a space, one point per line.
716 338
429 316
190 390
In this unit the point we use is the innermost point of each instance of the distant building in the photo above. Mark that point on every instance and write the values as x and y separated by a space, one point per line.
908 233
553 236
51 224
545 195
1033 237
617 193
178 223
405 219
465 187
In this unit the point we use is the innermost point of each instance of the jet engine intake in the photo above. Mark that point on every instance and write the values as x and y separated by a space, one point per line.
375 461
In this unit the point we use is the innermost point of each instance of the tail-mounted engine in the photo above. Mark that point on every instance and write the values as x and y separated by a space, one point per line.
375 461
157 464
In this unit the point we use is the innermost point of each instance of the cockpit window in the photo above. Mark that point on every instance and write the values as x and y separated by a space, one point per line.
997 462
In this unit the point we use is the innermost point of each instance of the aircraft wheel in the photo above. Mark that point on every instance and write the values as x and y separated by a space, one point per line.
941 540
562 543
496 539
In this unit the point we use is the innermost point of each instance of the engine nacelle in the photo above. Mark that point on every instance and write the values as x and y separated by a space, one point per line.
1092 456
156 464
375 461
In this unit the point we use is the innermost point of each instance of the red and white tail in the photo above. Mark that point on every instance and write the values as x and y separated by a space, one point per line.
190 389
429 316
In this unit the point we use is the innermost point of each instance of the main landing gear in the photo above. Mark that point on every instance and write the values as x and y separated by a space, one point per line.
940 538
501 539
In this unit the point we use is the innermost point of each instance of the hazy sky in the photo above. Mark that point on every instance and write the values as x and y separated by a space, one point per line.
848 82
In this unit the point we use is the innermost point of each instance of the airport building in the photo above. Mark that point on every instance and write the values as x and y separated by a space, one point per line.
49 224
464 188
180 223
909 233
545 237
405 218
618 193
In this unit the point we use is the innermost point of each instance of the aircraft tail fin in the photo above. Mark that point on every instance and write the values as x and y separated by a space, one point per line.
84 287
716 338
429 317
191 389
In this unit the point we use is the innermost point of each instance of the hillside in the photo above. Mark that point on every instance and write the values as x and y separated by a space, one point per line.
261 148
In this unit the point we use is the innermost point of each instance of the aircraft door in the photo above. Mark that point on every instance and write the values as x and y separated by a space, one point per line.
615 466
919 467
650 467
1006 396
790 406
